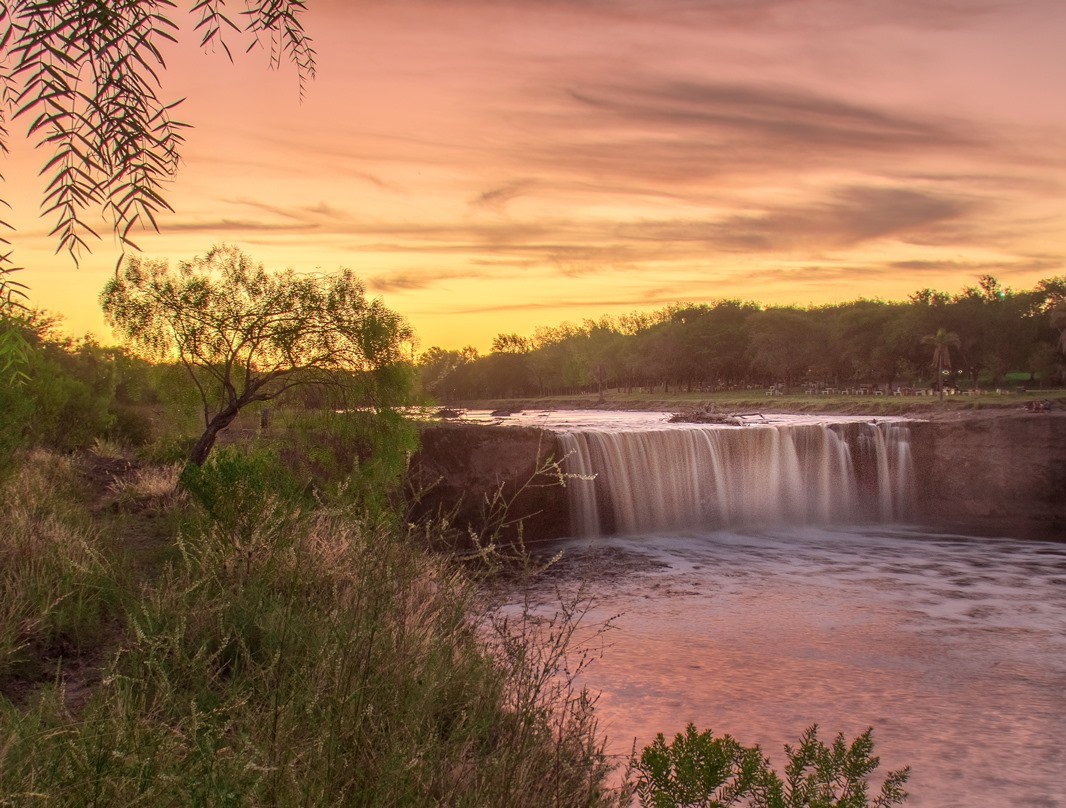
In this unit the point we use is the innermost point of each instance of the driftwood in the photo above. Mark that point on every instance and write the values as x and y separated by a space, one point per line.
710 416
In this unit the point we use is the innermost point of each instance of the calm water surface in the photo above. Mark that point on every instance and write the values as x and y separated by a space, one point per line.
953 648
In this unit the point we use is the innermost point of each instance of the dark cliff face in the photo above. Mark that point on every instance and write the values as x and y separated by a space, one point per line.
467 471
1003 474
995 475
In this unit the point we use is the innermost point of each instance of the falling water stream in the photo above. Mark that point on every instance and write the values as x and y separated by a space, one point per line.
762 582
644 481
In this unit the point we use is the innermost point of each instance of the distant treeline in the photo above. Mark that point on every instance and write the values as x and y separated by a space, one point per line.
735 344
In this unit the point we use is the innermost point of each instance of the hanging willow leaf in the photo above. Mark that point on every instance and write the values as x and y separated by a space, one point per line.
213 21
87 77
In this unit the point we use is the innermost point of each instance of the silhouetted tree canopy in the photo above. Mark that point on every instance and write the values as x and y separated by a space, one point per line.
246 335
731 344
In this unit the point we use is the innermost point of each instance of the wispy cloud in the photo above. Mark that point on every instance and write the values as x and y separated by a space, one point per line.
767 113
849 217
412 280
673 134
496 199
242 226
637 299
319 212
760 14
1049 265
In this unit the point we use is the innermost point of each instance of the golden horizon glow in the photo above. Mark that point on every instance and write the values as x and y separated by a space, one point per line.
494 167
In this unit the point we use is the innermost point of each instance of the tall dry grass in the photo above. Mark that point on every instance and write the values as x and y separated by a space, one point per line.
56 582
293 657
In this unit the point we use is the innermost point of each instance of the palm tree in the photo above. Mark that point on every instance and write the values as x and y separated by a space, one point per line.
942 342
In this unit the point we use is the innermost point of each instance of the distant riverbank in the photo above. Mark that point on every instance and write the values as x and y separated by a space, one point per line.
740 401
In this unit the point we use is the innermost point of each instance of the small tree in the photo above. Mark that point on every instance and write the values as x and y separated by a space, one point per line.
942 341
1058 320
246 335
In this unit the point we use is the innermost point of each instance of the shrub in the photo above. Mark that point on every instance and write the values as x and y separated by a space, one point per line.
699 769
357 457
235 489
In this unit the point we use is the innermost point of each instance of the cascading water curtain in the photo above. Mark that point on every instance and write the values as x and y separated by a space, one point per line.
708 477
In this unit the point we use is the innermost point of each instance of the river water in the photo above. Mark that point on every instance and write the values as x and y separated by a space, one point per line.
953 648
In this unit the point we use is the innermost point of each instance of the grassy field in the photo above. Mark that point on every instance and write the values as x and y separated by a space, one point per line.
739 401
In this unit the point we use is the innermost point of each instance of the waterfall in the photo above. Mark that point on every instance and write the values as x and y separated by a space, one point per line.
645 481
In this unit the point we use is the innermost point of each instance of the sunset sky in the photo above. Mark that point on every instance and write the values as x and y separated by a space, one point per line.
488 166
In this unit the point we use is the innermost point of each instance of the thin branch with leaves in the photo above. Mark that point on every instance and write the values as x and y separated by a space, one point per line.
86 76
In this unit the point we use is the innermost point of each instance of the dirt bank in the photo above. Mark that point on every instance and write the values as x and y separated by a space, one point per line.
485 480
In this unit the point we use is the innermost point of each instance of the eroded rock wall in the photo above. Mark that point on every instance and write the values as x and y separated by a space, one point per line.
468 471
998 473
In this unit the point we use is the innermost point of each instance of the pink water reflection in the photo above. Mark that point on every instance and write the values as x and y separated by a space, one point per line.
953 649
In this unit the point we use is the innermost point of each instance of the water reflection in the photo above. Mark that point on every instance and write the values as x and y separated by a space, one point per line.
952 648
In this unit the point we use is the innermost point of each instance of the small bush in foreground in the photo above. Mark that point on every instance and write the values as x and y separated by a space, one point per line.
699 770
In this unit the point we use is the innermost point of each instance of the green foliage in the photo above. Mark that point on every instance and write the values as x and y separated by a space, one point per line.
70 392
13 352
441 371
70 408
699 769
837 777
1058 320
15 410
321 660
57 589
13 344
167 448
87 76
353 457
733 345
245 335
235 489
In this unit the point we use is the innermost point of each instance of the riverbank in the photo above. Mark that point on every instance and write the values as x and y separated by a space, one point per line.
735 401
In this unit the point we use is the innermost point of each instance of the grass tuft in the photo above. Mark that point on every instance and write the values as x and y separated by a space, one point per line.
155 487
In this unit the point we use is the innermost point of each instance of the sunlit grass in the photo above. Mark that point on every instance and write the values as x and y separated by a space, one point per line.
56 589
760 399
304 656
150 486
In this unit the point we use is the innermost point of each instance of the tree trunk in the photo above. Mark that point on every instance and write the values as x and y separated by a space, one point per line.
206 442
